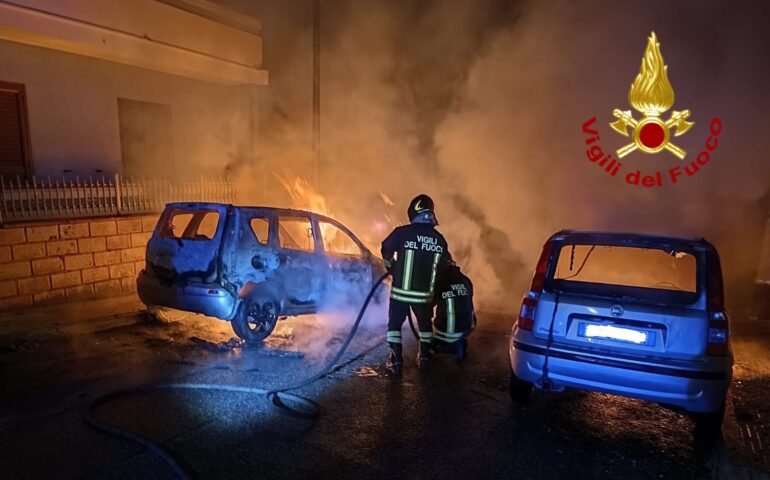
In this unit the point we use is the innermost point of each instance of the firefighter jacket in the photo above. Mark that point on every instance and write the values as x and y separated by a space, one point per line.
455 316
414 254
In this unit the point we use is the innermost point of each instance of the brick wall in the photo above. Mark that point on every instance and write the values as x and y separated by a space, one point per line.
57 262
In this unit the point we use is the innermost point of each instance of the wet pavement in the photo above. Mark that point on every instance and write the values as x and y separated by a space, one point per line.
453 421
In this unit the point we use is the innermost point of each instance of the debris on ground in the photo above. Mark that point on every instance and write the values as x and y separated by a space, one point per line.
231 344
367 372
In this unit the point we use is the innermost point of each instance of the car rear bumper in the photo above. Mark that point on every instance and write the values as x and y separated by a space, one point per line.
207 299
690 389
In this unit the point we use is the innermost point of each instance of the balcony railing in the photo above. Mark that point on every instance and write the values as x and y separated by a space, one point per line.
41 199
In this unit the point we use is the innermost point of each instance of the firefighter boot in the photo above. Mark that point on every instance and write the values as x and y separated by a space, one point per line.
395 359
423 358
461 350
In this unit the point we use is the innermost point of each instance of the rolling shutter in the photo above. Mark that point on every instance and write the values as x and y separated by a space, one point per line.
14 139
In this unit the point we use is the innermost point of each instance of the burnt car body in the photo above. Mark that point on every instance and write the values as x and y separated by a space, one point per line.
252 265
630 314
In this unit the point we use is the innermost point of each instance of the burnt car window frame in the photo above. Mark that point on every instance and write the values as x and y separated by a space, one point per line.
301 216
199 223
268 219
361 249
197 217
166 228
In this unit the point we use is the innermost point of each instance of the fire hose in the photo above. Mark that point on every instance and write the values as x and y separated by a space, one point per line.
278 396
544 380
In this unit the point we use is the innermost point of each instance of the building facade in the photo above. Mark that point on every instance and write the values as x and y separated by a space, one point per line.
107 110
144 88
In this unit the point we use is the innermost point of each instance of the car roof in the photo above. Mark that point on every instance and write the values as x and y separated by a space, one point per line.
629 238
278 210
274 209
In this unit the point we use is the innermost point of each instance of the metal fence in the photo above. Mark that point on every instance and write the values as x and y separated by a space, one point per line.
23 199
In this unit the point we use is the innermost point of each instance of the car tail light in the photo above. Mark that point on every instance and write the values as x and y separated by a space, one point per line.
715 293
526 318
538 279
719 334
719 327
527 312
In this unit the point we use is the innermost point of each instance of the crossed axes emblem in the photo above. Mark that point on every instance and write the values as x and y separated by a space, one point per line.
625 119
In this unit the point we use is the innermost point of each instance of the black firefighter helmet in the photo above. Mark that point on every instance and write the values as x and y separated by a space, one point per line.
419 204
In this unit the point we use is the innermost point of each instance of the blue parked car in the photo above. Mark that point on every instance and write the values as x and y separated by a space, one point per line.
637 315
252 265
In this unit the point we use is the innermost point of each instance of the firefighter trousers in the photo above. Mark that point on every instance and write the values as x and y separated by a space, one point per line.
423 314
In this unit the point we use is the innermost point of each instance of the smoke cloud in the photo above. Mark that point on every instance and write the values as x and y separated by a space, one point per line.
320 336
480 104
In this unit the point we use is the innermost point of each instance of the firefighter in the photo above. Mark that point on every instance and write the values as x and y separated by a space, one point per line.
414 254
455 316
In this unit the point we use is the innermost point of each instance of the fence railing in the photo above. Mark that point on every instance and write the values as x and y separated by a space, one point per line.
24 199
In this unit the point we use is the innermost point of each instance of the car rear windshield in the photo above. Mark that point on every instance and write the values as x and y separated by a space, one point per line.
656 274
190 224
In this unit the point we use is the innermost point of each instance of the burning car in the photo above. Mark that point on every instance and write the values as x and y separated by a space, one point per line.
252 265
636 315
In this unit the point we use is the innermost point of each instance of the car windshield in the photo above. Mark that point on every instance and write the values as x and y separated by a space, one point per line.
622 266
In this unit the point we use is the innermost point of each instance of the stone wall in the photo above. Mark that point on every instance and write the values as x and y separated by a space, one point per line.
44 263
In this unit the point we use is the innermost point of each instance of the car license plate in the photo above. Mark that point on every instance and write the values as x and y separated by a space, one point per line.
612 332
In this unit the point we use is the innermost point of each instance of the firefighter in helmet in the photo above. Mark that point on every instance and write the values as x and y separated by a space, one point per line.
414 254
455 316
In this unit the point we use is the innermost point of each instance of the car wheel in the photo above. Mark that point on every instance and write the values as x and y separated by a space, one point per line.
708 426
256 318
520 391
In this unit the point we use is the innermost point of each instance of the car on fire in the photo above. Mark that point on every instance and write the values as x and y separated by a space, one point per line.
636 315
252 265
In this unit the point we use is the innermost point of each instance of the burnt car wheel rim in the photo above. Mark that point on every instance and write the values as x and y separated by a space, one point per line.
260 316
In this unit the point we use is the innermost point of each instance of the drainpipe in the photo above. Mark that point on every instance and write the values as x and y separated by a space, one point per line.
316 91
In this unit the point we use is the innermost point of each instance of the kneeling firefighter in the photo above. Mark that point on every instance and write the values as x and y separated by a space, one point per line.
455 316
414 254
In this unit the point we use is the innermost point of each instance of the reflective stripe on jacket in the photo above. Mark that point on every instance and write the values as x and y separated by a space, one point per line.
414 255
455 316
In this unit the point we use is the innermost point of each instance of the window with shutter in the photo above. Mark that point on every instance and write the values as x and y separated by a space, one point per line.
14 132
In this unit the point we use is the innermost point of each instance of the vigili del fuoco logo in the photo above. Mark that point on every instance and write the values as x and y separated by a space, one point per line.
651 95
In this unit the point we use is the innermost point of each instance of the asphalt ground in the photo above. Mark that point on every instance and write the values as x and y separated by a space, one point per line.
452 421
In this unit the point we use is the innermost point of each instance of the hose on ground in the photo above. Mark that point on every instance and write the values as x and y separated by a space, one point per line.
411 325
275 394
279 396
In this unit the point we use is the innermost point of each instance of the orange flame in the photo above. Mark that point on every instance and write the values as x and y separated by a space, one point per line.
303 195
370 229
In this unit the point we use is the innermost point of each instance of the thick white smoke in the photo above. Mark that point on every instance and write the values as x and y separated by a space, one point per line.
480 104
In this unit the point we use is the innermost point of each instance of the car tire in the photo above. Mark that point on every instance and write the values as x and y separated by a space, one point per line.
519 390
256 318
708 426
